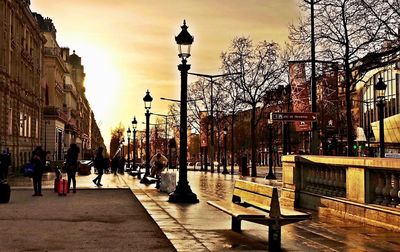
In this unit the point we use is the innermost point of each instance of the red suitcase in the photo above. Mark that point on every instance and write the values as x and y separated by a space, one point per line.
62 187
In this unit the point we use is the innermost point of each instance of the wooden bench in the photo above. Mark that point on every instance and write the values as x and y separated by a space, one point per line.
259 204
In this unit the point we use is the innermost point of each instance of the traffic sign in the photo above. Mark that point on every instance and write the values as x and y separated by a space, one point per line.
293 116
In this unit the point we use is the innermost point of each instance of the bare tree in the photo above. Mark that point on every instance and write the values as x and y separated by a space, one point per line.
232 106
262 69
200 94
386 12
344 32
116 135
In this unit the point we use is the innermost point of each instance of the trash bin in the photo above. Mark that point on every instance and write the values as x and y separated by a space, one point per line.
5 192
84 167
245 169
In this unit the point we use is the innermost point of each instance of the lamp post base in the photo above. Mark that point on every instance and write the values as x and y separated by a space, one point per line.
183 194
146 181
225 171
270 175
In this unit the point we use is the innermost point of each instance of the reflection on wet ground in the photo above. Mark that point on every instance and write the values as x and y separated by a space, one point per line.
200 227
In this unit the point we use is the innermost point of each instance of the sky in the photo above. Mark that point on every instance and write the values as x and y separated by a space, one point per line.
128 46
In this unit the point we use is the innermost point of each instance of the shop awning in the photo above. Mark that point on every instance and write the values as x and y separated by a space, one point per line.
391 129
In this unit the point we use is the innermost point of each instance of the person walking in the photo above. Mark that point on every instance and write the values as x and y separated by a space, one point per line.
121 165
71 165
5 162
114 164
99 165
38 159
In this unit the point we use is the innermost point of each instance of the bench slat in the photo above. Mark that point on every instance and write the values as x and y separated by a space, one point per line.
254 187
289 213
260 201
237 210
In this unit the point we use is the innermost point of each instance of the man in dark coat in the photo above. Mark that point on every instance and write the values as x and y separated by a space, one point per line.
5 162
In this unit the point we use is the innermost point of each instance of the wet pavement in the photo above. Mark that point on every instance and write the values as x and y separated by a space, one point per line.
201 227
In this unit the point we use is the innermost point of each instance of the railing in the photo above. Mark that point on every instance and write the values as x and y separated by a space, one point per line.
53 111
53 51
356 179
325 180
386 187
362 188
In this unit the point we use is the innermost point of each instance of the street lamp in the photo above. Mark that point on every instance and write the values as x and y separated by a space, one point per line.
380 88
134 125
147 105
225 171
270 173
128 134
183 193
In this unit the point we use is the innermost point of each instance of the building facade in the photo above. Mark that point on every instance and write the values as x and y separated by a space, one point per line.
42 94
385 65
21 101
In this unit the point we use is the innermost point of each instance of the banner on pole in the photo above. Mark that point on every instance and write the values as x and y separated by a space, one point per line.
203 129
300 93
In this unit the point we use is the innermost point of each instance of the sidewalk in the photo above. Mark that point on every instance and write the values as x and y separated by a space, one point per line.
90 220
200 227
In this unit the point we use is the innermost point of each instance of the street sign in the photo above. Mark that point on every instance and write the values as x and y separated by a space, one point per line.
293 116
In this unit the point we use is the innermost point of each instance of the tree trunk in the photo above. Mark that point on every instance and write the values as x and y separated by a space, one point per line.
347 91
348 111
253 142
232 144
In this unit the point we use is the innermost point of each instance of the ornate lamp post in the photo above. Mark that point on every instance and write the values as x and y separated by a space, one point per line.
128 134
147 105
183 193
380 88
225 171
134 125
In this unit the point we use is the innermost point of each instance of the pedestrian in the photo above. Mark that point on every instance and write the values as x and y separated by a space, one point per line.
157 163
122 162
5 162
114 164
71 165
99 164
38 159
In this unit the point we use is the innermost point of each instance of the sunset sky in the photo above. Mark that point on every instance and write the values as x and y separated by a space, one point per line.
128 46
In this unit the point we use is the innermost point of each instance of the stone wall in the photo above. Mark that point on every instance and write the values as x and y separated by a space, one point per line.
365 189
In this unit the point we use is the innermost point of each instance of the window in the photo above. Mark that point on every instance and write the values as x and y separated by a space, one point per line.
29 126
10 121
21 124
37 129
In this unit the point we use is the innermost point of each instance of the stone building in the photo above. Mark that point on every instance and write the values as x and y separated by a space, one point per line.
83 119
54 71
384 64
21 46
67 113
96 139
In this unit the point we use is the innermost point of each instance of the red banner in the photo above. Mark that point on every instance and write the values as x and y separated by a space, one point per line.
328 102
300 93
203 129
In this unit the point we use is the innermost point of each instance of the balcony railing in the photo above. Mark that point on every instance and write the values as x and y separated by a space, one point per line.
52 51
52 111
